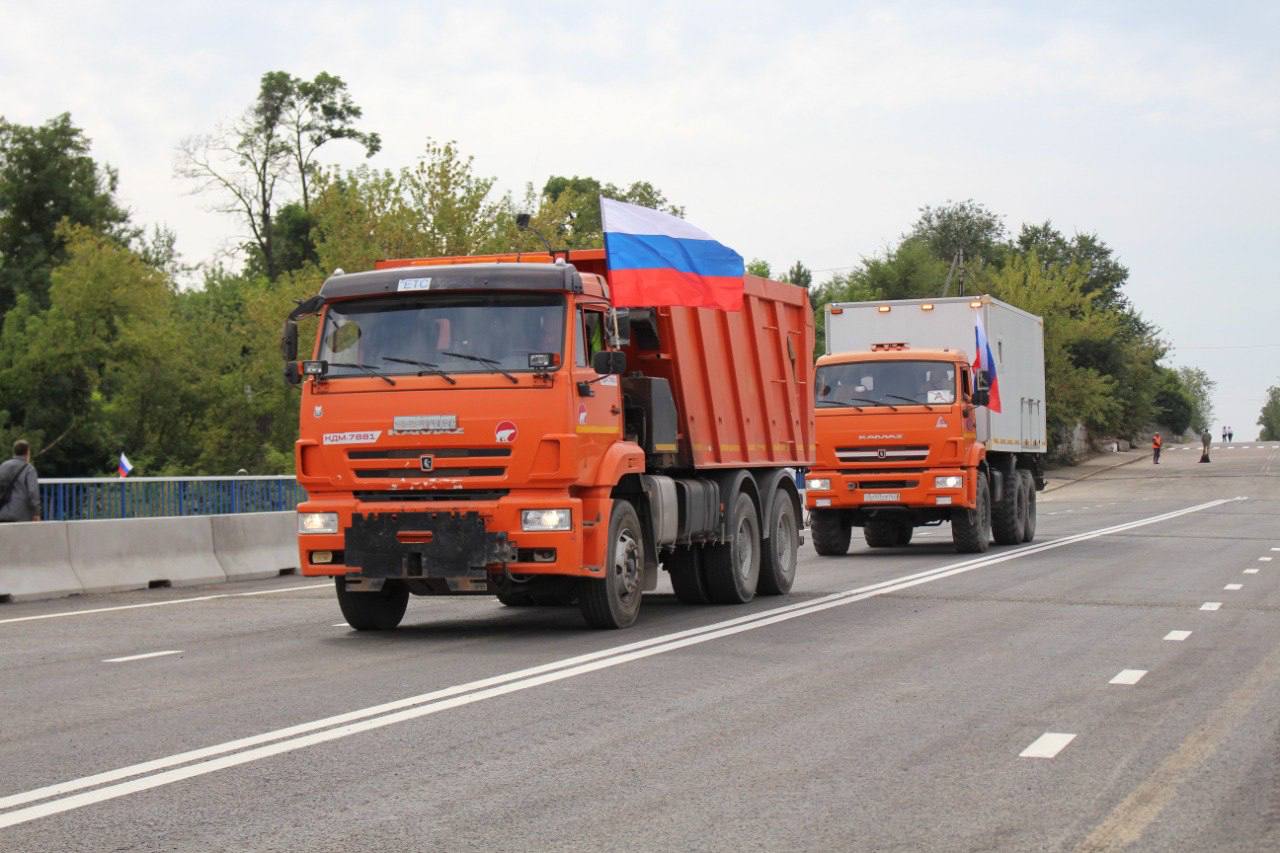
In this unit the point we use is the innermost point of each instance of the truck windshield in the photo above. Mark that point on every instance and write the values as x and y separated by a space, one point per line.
884 383
443 333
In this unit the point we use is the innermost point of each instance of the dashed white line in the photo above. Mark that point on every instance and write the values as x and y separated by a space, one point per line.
1211 605
1264 559
143 657
1232 587
1047 745
1250 571
1128 676
1177 636
1275 549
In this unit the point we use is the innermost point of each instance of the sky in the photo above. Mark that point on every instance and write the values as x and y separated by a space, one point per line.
791 130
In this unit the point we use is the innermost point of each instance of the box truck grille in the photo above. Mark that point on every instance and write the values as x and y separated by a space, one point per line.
887 454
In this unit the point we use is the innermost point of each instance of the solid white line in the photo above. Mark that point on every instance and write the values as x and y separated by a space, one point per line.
161 603
340 625
1047 745
375 717
1128 676
1177 636
1250 571
143 657
1232 587
1211 605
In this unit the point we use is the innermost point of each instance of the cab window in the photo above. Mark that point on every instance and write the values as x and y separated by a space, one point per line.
589 334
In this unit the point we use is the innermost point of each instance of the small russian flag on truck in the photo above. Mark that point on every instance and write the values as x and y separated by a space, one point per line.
655 258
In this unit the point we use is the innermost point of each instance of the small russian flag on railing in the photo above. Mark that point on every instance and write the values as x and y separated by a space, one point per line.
125 466
655 259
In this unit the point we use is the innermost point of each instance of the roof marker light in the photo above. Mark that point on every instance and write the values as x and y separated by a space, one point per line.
928 306
975 304
884 309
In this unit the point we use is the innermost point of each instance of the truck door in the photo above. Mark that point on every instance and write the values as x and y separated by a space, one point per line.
597 399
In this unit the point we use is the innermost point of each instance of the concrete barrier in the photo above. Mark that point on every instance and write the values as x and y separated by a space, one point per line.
35 562
135 553
256 545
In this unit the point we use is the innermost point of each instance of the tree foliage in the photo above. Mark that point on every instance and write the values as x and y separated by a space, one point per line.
1269 419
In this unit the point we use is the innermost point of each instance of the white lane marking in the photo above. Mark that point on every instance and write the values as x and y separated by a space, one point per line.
1275 549
1128 676
367 719
1232 587
1177 636
1047 745
143 657
1264 559
340 625
1211 605
1250 571
161 603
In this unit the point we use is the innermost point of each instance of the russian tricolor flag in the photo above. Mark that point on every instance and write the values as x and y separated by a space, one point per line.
655 258
124 466
984 361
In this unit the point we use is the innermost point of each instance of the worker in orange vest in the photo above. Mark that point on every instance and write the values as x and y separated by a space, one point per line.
1156 443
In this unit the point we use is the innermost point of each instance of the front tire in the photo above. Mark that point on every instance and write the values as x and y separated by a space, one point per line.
831 533
778 559
373 611
614 600
732 570
971 528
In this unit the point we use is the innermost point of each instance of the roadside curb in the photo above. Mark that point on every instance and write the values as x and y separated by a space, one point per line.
1138 458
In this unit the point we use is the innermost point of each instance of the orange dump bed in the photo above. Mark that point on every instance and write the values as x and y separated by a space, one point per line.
742 380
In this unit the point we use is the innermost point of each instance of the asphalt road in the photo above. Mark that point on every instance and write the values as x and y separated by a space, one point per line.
897 700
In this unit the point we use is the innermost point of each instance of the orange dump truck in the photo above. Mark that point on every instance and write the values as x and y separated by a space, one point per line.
913 429
493 425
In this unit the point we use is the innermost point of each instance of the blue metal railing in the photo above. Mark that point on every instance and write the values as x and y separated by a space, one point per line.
82 498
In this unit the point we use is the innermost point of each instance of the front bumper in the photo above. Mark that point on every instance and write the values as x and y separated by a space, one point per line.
441 539
869 491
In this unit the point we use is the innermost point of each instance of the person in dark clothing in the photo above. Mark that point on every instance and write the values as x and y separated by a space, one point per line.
1205 440
18 479
1156 443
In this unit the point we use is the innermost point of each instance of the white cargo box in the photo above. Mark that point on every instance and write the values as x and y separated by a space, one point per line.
1017 345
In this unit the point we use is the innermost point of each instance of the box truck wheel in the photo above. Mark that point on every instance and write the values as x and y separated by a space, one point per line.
1008 517
905 532
684 564
971 528
881 532
732 570
614 600
779 556
831 533
516 599
373 611
1028 483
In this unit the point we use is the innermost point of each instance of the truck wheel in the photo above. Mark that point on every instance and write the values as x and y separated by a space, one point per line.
1007 519
905 532
515 599
614 600
831 533
971 528
1029 522
373 611
778 557
732 570
684 565
881 533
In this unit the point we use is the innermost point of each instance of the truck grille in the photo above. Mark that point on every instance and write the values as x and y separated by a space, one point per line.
884 484
450 495
437 452
447 463
913 453
413 473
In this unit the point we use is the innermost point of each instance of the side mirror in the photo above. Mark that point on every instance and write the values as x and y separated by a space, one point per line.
609 363
289 341
982 396
623 319
291 374
984 380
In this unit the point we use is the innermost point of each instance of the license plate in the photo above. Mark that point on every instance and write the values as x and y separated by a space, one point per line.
881 497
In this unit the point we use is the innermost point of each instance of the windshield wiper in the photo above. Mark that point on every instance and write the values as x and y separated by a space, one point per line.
497 364
427 368
911 400
860 400
369 369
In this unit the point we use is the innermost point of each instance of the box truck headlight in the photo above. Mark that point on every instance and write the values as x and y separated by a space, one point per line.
819 484
545 519
317 522
948 482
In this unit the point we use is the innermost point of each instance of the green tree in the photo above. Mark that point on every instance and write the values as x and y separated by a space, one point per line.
46 176
1269 419
581 227
963 230
1106 275
757 266
1175 409
1199 388
799 275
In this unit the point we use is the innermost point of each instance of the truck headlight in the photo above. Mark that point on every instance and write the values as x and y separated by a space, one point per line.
818 484
317 522
545 519
952 482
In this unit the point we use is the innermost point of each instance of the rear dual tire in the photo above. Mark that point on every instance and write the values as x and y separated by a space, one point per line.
732 569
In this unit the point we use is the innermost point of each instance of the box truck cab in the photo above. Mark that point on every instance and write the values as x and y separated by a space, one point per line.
493 425
906 430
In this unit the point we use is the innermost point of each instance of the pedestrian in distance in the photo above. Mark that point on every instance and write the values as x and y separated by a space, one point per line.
1156 443
1231 435
1224 435
19 486
1205 440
